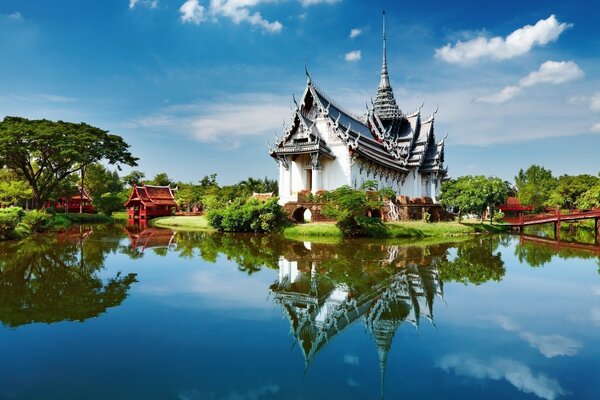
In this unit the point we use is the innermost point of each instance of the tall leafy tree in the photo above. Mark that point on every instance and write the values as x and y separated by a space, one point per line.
135 177
474 194
535 185
161 179
46 152
570 188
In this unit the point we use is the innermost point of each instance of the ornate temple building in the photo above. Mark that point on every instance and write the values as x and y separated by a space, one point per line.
326 147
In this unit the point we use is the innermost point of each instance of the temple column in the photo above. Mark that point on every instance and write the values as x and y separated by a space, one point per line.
416 184
433 185
317 171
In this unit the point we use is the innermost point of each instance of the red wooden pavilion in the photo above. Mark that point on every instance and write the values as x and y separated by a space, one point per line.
148 201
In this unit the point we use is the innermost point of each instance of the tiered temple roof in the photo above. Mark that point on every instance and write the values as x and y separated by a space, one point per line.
384 135
152 196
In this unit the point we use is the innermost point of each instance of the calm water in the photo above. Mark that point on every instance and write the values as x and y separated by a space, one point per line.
114 313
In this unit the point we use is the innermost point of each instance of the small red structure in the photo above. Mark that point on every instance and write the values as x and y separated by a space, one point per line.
79 202
513 205
148 201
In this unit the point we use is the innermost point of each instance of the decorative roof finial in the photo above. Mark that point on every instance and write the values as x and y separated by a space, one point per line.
385 79
309 79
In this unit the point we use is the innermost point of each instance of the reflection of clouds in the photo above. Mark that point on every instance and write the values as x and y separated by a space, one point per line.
596 290
253 394
351 359
516 373
352 383
552 345
548 345
595 315
225 288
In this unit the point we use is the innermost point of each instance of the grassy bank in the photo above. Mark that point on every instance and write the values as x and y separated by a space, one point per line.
198 223
403 230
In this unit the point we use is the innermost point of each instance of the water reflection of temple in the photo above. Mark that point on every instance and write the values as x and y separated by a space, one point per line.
322 294
143 236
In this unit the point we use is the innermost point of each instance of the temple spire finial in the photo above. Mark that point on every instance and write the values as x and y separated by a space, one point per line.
385 79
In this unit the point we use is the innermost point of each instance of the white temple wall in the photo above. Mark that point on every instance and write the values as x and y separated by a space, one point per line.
336 172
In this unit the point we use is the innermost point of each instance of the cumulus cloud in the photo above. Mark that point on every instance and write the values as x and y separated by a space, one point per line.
548 345
514 372
308 3
147 3
517 43
238 11
352 56
192 11
550 72
355 32
255 115
553 72
595 102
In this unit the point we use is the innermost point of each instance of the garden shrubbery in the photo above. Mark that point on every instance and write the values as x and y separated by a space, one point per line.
250 216
38 220
9 219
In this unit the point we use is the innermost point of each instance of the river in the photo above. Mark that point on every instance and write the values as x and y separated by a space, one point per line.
108 312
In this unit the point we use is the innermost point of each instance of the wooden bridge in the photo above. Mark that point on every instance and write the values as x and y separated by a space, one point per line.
554 217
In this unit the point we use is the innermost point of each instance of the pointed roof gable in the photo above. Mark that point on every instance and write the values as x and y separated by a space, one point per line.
151 196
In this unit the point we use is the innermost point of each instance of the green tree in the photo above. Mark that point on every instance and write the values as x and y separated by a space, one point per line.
133 178
161 179
474 194
569 189
590 198
13 190
46 152
350 208
535 185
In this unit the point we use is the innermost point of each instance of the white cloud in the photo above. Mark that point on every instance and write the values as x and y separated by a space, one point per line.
147 3
501 97
254 115
595 311
352 56
355 32
517 43
514 372
192 11
239 11
550 72
553 72
595 102
36 98
308 3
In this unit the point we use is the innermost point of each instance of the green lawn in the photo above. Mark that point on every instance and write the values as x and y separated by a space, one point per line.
408 230
191 223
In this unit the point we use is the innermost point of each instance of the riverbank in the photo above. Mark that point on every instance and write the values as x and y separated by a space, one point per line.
405 230
401 230
54 223
195 223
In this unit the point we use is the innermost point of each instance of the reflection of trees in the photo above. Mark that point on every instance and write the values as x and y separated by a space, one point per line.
51 278
538 251
324 289
249 252
476 262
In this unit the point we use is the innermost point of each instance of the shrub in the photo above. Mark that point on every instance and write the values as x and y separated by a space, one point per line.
38 220
9 219
499 216
251 216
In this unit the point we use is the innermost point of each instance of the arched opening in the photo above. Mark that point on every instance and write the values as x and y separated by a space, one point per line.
301 215
375 213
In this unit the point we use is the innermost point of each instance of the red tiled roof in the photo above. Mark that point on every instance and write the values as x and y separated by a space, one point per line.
152 195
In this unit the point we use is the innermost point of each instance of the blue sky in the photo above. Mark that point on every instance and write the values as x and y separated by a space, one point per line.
201 86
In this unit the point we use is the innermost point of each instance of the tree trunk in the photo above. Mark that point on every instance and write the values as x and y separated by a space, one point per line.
81 193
